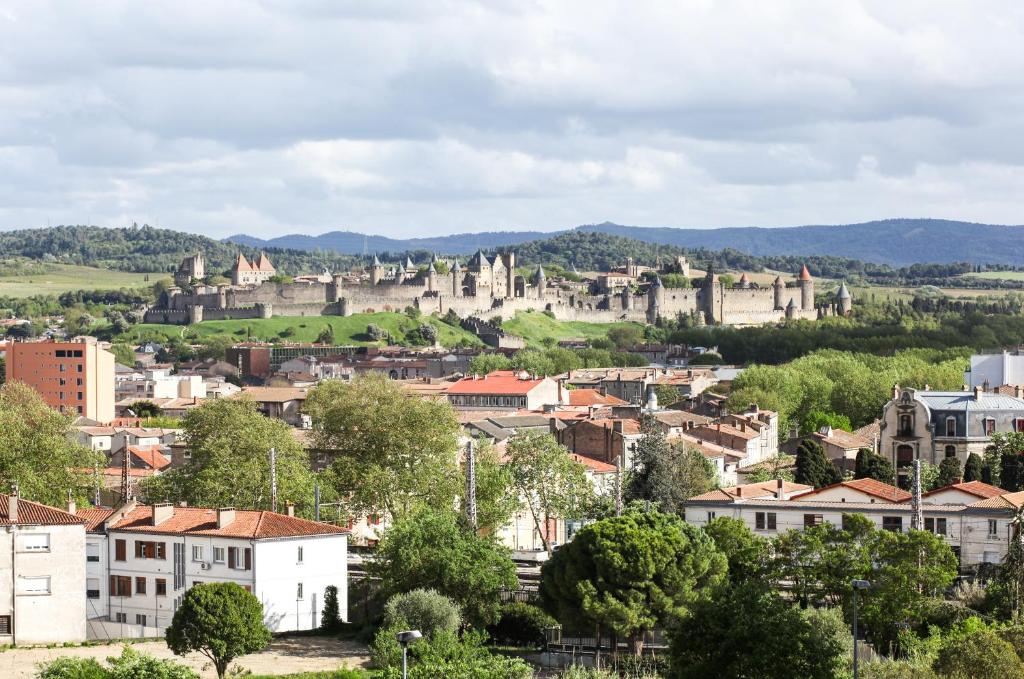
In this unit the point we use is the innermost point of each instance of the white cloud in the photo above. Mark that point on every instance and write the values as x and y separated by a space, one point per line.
410 118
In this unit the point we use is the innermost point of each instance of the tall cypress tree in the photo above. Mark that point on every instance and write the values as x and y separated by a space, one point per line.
860 469
813 467
973 468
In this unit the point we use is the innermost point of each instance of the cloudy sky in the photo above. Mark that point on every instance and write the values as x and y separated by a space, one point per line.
413 118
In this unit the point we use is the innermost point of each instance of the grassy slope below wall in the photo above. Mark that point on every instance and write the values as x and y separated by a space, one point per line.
535 326
347 330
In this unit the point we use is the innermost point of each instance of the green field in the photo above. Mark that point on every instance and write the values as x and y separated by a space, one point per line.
67 277
347 330
535 327
999 275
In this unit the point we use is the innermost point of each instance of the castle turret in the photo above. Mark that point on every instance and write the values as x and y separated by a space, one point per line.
431 277
456 278
334 289
806 290
711 296
540 281
791 309
844 299
780 291
744 281
510 274
627 298
655 297
376 271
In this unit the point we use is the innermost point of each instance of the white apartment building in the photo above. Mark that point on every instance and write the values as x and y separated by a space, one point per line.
42 573
991 371
155 553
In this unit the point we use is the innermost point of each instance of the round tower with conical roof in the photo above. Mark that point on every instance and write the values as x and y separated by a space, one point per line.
806 290
844 300
780 293
456 274
376 271
540 281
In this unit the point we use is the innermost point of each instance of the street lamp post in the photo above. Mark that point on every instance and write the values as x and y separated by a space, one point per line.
405 638
856 584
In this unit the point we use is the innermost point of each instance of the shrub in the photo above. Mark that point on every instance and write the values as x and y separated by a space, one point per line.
330 618
424 609
72 668
131 664
521 624
978 652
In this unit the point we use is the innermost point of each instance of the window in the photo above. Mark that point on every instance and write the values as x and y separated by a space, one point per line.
5 624
950 451
35 542
904 456
92 588
120 617
218 555
120 585
62 353
300 555
140 585
78 353
893 523
811 520
1018 425
950 426
993 528
140 619
711 516
35 585
906 427
197 552
150 550
990 426
92 552
161 587
298 593
120 550
232 557
373 520
79 367
937 526
764 520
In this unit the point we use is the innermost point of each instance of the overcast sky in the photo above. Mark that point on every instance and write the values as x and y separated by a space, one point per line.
414 118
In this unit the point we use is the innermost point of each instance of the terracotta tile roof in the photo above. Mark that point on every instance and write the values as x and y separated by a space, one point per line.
593 397
498 382
762 489
882 491
805 275
248 524
679 418
35 514
629 425
716 432
242 264
784 462
96 431
263 263
273 394
708 449
844 439
94 517
1005 501
596 466
977 488
154 458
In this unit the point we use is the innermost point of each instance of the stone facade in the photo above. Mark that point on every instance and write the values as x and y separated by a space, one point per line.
486 287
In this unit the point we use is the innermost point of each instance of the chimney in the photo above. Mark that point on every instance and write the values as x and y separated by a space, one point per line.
225 516
978 391
1018 391
162 512
12 504
739 491
289 508
72 508
743 425
927 387
780 489
895 391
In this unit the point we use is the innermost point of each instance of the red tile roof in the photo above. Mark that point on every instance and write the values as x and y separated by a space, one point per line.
754 490
151 457
977 488
593 397
203 521
263 263
503 382
1005 501
242 264
35 514
596 466
869 487
94 517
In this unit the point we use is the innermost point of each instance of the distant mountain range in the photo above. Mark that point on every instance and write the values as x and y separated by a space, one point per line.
898 242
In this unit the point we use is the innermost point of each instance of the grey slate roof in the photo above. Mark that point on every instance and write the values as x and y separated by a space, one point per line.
965 400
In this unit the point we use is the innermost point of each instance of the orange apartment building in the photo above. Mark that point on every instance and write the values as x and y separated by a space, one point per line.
74 377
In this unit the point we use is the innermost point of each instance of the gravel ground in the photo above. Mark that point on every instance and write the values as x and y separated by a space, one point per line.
283 656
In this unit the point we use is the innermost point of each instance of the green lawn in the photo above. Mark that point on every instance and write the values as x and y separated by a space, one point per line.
66 277
347 330
534 327
999 275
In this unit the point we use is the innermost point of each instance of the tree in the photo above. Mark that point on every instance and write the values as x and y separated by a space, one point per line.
973 470
394 451
433 549
747 631
667 394
628 574
666 474
423 609
625 336
37 449
974 650
220 620
496 498
813 467
330 617
549 482
485 363
747 553
949 472
230 443
817 419
870 465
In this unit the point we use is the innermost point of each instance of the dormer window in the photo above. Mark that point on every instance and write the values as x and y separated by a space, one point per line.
950 426
990 426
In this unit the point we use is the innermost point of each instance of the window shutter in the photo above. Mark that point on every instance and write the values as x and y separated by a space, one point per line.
248 559
231 557
139 550
119 550
113 585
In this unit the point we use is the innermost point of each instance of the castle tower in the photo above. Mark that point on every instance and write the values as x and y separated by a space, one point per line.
711 295
780 290
744 281
627 298
510 274
376 271
630 269
456 278
844 299
540 281
655 300
806 290
335 287
791 309
431 277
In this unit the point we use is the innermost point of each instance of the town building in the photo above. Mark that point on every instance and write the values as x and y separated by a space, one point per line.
841 447
255 273
154 554
990 371
933 425
75 377
504 390
42 574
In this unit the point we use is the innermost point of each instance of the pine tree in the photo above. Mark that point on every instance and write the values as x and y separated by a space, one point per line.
330 617
973 470
813 467
949 472
860 469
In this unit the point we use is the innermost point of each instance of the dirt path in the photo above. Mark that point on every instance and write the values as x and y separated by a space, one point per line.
283 656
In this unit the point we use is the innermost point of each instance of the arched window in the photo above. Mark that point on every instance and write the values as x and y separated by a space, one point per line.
906 425
950 451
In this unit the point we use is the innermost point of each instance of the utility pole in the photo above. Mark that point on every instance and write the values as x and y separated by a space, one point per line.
471 485
126 482
273 480
917 518
316 500
618 485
